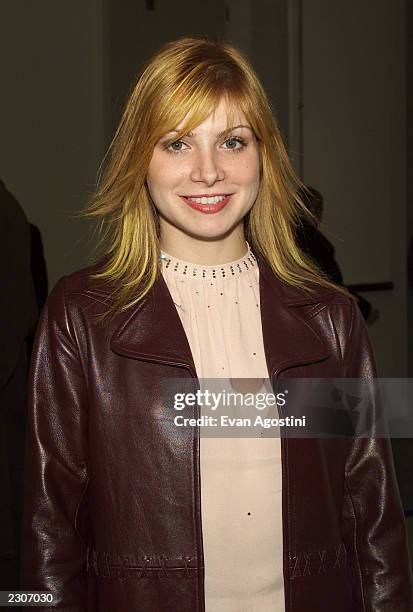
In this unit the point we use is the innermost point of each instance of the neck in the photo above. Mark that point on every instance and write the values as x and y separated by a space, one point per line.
212 251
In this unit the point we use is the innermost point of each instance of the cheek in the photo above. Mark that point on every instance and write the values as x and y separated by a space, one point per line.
249 173
163 175
245 168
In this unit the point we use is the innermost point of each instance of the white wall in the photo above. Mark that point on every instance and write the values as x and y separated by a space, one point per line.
270 54
260 29
134 33
354 150
51 117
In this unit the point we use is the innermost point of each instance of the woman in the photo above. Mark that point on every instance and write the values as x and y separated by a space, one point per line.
200 277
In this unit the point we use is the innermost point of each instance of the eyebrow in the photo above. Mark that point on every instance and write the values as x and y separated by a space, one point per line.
219 134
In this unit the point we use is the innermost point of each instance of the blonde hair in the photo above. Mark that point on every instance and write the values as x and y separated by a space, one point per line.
188 78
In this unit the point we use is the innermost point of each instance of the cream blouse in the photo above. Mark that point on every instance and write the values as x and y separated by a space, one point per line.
241 482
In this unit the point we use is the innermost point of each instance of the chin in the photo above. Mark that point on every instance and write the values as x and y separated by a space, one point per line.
209 231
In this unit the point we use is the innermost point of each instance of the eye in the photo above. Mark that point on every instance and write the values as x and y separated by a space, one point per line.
236 144
174 147
234 141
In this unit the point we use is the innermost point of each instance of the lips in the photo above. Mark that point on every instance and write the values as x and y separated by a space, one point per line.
206 195
207 209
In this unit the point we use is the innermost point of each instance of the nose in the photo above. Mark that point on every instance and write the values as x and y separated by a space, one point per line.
206 168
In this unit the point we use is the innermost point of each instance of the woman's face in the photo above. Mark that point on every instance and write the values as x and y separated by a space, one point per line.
205 165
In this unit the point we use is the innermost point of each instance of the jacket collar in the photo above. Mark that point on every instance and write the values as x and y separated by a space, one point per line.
153 331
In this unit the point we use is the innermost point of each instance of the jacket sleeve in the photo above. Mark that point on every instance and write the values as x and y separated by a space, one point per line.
53 555
374 527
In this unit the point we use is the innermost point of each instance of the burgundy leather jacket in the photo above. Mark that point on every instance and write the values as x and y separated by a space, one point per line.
112 517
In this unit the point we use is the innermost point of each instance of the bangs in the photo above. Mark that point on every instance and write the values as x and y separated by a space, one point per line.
198 96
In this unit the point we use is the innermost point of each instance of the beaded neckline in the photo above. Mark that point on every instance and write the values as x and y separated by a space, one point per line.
186 269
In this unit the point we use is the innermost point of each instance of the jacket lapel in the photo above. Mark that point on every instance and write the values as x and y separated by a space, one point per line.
153 330
289 339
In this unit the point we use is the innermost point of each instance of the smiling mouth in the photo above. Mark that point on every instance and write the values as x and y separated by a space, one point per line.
205 199
207 205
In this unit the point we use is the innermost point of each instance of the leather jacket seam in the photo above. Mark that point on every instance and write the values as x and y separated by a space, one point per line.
318 310
88 294
107 565
351 321
347 485
333 302
72 335
81 499
360 574
325 304
339 346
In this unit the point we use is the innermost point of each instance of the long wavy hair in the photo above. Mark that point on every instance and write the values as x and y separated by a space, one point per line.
188 78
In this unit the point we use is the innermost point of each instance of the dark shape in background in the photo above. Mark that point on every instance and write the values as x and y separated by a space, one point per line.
23 282
316 245
38 267
39 275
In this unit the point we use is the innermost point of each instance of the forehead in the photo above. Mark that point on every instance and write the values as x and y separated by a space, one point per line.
224 115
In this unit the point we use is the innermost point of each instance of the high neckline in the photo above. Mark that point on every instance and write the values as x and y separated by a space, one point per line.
186 269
